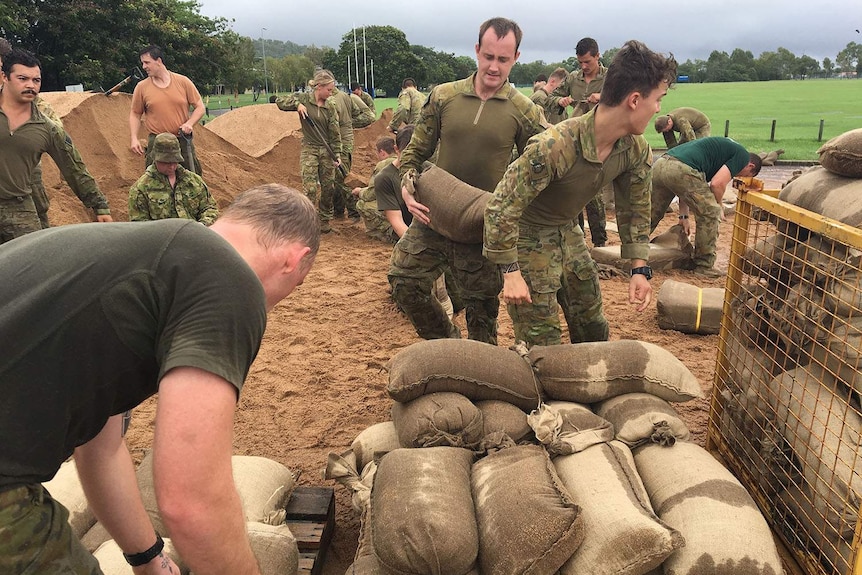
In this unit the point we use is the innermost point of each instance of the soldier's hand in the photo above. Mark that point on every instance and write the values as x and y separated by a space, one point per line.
640 291
420 212
515 288
106 218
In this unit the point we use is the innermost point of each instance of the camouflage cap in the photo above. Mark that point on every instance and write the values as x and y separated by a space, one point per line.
166 148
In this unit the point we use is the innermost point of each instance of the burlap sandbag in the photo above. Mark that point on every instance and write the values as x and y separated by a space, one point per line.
66 489
842 352
639 418
688 308
342 468
528 524
622 534
824 432
592 372
474 369
438 419
111 560
844 291
724 531
565 427
502 416
843 154
770 257
422 516
264 486
374 440
660 258
827 194
457 209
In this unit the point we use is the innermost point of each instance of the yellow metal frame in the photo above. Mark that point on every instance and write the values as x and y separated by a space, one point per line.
768 201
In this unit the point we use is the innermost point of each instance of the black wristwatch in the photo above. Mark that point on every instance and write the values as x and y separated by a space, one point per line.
144 557
644 271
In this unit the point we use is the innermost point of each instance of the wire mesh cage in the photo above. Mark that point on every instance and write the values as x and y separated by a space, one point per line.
785 412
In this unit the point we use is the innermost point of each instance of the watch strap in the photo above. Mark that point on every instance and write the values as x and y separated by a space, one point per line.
144 557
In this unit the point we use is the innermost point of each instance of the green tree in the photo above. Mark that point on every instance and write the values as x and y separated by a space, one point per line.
806 67
319 56
850 58
828 67
608 56
387 46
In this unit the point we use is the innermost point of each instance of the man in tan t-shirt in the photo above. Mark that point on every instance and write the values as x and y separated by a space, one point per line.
163 99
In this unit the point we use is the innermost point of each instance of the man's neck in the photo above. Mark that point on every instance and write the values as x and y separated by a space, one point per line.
162 78
485 93
12 107
611 124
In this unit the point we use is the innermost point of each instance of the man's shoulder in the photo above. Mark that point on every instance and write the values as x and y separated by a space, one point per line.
383 163
449 90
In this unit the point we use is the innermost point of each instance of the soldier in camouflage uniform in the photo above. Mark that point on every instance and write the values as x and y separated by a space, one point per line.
168 190
410 102
699 172
315 163
361 114
541 97
529 228
481 108
582 90
343 198
689 122
376 225
357 89
25 134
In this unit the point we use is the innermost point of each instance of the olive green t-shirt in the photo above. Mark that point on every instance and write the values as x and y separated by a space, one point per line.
708 155
100 313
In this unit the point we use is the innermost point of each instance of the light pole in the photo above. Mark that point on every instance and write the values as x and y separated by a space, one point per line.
263 46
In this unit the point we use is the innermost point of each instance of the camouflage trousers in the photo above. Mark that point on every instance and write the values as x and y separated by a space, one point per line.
318 178
18 217
419 257
595 209
343 197
671 177
557 266
40 196
35 536
187 150
376 224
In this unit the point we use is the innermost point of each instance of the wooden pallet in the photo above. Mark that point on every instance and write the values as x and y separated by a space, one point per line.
311 518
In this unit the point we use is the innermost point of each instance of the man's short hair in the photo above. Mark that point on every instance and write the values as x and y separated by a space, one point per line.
636 68
408 83
385 144
757 161
155 52
502 27
587 46
5 47
560 73
278 214
22 57
541 78
355 86
402 138
662 122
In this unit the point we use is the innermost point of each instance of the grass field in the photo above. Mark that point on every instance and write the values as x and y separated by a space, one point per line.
747 109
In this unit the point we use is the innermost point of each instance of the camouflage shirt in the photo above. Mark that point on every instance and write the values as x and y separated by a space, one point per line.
689 122
22 151
576 86
325 119
344 106
48 111
361 114
409 107
151 198
369 101
475 136
554 114
557 175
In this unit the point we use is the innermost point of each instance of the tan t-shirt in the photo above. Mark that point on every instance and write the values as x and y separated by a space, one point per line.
165 109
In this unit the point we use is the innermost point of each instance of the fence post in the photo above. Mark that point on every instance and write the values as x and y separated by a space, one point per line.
772 133
726 128
820 133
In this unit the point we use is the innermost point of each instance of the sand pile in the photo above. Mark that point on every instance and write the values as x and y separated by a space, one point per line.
255 129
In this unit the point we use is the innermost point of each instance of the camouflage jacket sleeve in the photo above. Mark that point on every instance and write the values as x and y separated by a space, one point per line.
670 139
139 210
196 198
402 112
425 135
562 91
47 111
686 132
333 128
632 192
74 171
361 114
532 120
548 156
290 102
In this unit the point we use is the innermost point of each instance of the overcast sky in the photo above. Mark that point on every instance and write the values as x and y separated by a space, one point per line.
691 29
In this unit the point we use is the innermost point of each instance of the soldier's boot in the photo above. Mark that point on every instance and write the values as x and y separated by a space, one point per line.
415 299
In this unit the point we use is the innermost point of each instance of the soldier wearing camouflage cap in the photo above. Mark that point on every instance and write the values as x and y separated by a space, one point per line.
34 135
168 190
529 228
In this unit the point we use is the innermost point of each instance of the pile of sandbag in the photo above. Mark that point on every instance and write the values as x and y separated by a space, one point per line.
264 487
790 406
560 459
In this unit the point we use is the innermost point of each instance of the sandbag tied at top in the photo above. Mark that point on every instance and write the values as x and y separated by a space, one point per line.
457 209
827 194
374 440
438 419
725 533
528 523
422 516
689 308
843 154
474 369
595 371
639 418
622 534
565 427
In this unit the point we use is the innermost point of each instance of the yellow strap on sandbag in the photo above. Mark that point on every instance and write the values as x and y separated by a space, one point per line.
699 308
